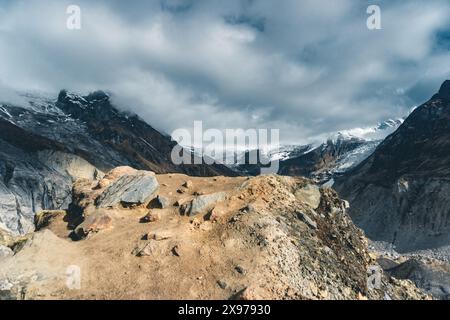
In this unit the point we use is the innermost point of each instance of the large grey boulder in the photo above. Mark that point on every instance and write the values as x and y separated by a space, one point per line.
202 203
130 189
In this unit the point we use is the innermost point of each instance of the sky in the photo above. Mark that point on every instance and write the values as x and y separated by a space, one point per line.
305 67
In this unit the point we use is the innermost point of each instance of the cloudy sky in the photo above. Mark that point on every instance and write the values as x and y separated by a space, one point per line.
306 67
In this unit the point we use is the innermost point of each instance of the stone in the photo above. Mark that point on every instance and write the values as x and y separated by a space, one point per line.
152 216
309 195
196 222
310 222
216 214
94 223
130 189
151 248
5 252
240 270
222 284
188 184
185 208
201 204
180 202
176 250
160 235
44 218
6 239
345 204
373 256
163 202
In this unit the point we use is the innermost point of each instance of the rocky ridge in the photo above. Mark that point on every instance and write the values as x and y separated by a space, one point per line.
268 237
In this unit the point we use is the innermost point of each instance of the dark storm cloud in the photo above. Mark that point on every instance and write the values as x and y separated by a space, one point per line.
306 67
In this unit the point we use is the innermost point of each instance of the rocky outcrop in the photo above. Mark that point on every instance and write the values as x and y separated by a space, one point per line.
401 193
35 180
202 203
130 189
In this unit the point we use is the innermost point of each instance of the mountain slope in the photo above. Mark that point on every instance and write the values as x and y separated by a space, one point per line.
401 193
46 145
339 153
267 237
320 158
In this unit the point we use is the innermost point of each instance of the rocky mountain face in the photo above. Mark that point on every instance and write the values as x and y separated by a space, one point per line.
341 152
321 159
322 162
181 237
46 145
401 193
431 275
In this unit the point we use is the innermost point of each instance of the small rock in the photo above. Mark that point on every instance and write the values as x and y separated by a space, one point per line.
152 216
160 235
373 256
309 195
176 251
346 204
180 202
311 223
163 202
222 284
188 184
5 285
185 208
202 203
216 214
196 222
240 270
5 252
94 223
149 249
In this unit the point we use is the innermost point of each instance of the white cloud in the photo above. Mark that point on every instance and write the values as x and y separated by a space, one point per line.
306 67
